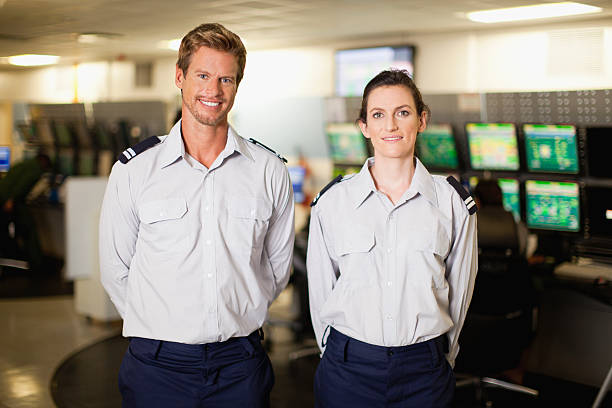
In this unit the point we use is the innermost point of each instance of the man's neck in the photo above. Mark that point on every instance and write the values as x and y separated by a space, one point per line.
202 142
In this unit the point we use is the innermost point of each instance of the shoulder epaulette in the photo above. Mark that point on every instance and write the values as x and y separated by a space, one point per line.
327 187
255 142
131 152
465 196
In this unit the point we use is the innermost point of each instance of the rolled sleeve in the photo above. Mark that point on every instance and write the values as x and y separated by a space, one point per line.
118 235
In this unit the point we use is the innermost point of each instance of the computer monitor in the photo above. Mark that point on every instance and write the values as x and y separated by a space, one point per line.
297 175
553 205
436 147
5 158
356 67
511 196
63 134
599 210
87 163
347 144
598 151
493 146
551 148
65 162
43 132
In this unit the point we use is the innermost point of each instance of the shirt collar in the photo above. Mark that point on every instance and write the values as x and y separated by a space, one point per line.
174 147
422 182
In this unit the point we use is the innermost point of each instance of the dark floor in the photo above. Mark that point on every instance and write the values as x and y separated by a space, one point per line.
88 379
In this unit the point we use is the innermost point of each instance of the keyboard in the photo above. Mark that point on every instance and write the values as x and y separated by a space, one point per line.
584 270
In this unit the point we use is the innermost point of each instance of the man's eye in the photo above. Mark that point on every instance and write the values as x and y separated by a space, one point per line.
202 76
227 80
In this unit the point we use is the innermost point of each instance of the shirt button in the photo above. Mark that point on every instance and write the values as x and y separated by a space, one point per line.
209 275
389 250
389 283
161 213
389 317
206 208
208 242
252 212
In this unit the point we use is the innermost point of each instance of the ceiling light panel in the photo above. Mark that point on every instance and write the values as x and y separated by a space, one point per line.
537 11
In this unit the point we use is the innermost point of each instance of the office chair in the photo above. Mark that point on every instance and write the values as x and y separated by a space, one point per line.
499 323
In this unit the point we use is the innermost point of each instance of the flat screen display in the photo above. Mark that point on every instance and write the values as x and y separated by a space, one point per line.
551 148
493 146
599 210
598 151
5 158
552 205
356 67
347 144
511 196
436 147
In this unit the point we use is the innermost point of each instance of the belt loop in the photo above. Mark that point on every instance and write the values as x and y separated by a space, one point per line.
323 339
159 346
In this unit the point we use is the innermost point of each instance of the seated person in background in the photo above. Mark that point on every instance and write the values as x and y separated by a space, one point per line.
489 198
14 189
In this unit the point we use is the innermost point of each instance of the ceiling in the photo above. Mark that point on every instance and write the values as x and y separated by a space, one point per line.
133 29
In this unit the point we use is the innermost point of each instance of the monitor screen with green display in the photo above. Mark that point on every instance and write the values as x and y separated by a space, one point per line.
347 144
510 194
553 205
493 146
436 147
551 148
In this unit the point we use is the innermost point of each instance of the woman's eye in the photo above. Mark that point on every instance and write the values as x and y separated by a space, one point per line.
403 113
377 115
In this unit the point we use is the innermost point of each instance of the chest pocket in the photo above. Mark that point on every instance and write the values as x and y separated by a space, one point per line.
432 247
248 222
163 225
356 257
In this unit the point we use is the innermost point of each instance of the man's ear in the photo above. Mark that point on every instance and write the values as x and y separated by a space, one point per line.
179 77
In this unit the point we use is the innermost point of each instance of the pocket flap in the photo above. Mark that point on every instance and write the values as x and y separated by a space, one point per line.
356 242
160 210
249 207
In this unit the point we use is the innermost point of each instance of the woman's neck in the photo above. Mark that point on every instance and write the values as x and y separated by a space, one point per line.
393 177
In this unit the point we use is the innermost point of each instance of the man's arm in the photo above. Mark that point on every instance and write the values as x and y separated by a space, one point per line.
322 274
461 268
281 234
118 233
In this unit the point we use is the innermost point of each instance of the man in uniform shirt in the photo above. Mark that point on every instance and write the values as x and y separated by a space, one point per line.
196 236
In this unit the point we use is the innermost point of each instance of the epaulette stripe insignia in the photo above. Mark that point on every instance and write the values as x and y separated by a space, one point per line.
255 142
131 152
465 196
327 187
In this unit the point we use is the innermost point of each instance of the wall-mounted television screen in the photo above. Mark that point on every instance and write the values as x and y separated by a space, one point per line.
493 146
551 148
5 158
552 205
356 67
436 147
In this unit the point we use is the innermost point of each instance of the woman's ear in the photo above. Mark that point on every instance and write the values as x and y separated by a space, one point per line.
364 128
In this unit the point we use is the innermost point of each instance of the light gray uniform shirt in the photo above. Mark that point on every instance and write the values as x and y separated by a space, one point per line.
196 255
391 275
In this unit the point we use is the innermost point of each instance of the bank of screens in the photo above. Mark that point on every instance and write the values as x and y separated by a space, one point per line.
551 148
599 209
436 147
346 143
5 158
493 146
356 67
552 205
598 151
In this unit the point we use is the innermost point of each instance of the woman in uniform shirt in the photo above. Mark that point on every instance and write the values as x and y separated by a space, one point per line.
392 261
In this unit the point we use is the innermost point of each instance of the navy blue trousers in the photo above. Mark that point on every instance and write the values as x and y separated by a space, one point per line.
234 373
357 374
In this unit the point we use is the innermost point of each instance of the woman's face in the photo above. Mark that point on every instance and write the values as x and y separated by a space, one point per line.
392 122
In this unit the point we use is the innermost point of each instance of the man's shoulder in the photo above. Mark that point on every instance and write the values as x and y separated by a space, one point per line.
139 149
260 150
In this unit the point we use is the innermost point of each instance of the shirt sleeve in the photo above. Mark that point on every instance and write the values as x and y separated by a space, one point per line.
322 271
281 234
461 269
118 234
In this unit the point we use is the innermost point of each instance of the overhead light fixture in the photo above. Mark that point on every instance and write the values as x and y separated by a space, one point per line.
95 38
171 44
548 10
32 60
